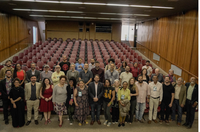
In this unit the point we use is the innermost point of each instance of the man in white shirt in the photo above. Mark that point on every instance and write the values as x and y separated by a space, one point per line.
126 76
156 93
148 67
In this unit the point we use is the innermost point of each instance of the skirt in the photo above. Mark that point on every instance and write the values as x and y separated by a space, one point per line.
60 109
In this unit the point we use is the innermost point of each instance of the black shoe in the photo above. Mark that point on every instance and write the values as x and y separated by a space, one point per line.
185 124
189 126
119 125
6 122
36 122
27 123
123 124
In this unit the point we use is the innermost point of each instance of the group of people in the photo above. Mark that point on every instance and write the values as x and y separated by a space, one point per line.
75 88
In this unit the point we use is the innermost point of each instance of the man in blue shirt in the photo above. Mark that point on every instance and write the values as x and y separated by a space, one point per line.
79 66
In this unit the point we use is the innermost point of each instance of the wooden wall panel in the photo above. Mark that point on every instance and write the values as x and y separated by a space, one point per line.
14 34
175 39
71 30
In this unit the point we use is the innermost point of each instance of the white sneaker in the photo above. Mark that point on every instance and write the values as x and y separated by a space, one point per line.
113 122
109 123
68 119
105 123
70 124
116 122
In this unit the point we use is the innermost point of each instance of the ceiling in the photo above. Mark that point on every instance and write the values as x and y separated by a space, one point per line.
114 11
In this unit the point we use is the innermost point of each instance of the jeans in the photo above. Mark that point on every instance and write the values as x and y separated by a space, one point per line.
174 106
98 109
190 112
70 110
107 111
132 111
115 114
164 105
140 107
6 104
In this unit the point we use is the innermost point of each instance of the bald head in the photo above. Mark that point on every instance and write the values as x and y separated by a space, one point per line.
157 71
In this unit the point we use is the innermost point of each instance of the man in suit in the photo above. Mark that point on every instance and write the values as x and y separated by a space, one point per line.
31 72
5 87
95 98
191 101
32 94
179 100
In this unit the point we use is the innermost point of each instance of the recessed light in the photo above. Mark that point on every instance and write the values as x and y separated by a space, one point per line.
39 10
87 3
142 6
22 9
162 7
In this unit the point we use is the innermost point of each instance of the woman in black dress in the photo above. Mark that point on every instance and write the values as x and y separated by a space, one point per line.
17 107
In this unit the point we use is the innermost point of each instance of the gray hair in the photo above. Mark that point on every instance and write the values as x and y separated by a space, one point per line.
181 78
72 64
171 70
116 80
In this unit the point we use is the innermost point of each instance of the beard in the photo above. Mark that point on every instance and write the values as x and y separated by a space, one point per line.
92 63
8 77
8 65
140 81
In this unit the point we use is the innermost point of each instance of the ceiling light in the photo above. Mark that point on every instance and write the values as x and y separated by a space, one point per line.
87 3
25 0
141 15
39 10
103 18
115 18
108 13
162 7
56 11
49 16
70 2
75 17
117 5
74 11
123 14
90 17
22 9
45 1
142 6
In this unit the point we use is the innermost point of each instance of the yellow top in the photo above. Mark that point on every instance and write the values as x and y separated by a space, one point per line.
123 94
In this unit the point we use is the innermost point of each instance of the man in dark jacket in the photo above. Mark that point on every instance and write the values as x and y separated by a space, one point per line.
6 85
95 98
31 72
191 101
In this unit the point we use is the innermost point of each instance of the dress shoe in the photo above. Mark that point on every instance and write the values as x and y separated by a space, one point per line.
92 122
6 122
189 126
141 121
179 124
119 125
36 122
149 122
185 124
99 122
27 123
155 121
123 124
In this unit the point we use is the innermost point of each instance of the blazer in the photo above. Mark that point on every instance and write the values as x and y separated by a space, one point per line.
3 88
28 90
182 94
29 74
194 94
91 90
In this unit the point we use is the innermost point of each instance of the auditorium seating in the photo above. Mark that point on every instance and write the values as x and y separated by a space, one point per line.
50 52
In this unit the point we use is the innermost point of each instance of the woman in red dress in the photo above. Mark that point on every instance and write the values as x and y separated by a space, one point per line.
46 104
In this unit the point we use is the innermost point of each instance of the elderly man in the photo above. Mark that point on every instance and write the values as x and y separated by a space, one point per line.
112 74
86 75
72 73
149 68
191 101
79 66
126 76
179 100
91 65
159 75
64 64
8 66
172 77
31 72
56 75
46 73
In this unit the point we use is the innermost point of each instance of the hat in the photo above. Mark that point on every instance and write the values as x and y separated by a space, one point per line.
46 66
